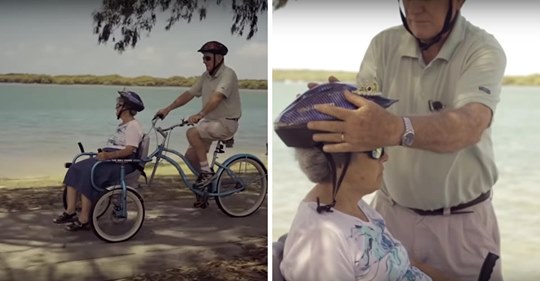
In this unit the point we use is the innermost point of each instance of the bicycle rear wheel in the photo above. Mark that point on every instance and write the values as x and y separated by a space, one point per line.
243 185
107 222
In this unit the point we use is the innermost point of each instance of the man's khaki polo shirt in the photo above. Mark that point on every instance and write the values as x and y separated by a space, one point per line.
224 81
469 68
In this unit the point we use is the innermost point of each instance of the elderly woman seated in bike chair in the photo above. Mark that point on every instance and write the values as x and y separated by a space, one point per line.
336 235
122 144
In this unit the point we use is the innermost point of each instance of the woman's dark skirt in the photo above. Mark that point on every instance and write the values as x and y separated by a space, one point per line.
105 174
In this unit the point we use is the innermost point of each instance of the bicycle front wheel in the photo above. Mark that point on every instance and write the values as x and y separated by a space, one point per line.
242 187
108 222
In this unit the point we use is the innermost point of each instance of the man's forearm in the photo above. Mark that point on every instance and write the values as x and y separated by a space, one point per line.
180 101
451 130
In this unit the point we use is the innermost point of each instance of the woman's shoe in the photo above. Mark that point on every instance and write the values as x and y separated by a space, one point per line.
65 218
77 225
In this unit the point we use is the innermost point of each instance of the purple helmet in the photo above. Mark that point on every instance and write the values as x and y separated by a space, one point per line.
132 100
291 124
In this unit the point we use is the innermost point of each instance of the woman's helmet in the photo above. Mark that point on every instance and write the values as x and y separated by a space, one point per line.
132 101
291 124
214 47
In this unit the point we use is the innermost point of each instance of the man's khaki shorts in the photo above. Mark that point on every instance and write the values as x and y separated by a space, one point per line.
221 129
455 244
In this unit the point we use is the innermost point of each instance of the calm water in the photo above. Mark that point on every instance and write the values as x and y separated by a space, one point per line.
40 125
516 135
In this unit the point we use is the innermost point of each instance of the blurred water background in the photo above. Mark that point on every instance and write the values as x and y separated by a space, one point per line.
516 137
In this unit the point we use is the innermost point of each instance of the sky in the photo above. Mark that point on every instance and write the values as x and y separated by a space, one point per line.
55 37
334 35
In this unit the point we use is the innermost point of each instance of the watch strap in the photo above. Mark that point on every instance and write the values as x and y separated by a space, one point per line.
408 135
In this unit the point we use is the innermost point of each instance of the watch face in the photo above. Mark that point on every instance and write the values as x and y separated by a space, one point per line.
408 139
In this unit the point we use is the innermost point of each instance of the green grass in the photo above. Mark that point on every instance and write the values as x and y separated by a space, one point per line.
311 75
174 81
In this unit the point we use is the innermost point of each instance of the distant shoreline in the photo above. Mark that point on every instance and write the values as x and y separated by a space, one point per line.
322 75
141 81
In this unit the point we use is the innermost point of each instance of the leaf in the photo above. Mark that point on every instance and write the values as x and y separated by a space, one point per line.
126 18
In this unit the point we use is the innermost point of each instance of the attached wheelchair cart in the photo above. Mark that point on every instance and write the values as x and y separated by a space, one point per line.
118 213
239 186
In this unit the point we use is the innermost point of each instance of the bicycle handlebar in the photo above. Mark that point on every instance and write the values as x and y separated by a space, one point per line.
163 131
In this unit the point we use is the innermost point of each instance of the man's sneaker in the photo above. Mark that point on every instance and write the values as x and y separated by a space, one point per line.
200 202
204 179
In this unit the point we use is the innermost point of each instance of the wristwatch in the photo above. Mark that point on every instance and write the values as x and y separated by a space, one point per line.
407 138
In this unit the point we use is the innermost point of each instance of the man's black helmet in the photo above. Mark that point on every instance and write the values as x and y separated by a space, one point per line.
214 47
132 100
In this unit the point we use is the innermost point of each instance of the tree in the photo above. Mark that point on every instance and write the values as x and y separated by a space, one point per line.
279 4
124 20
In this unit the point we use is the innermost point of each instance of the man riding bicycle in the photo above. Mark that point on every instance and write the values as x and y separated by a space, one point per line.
221 109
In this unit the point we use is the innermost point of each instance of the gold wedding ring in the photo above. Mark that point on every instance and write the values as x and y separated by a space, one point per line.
342 137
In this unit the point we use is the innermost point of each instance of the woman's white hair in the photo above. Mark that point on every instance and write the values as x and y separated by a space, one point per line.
315 165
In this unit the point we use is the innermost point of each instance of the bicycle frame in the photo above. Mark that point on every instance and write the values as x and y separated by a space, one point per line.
158 154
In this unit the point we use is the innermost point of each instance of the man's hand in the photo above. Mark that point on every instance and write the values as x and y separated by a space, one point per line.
194 119
162 113
363 129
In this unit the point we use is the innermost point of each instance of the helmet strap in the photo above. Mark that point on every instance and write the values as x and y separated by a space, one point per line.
215 67
448 24
120 113
122 110
336 182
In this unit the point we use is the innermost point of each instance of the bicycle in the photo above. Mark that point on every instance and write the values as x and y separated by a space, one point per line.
239 187
239 175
